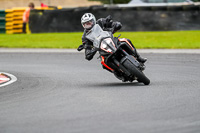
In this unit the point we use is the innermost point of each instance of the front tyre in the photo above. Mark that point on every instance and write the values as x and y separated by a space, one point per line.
136 72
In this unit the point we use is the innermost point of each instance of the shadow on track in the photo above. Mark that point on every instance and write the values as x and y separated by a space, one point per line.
115 84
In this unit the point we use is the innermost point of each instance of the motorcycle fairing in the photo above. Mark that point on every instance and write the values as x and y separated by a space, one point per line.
125 40
104 64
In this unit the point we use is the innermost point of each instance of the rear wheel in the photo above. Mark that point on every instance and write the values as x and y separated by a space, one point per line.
136 72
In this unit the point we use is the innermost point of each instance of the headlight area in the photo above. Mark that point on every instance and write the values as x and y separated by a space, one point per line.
107 45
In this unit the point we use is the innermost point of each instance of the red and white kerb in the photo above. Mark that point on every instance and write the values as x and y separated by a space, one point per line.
3 78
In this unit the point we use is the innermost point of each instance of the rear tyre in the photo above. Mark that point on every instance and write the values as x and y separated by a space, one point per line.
136 72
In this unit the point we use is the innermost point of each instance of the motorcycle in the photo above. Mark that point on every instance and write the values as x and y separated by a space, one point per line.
117 55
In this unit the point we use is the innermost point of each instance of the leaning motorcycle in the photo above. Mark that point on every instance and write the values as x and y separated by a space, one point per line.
116 55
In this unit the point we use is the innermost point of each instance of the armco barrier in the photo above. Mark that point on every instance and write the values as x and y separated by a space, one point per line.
156 18
2 21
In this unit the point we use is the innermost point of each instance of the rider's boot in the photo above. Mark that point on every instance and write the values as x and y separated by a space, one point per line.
137 55
139 58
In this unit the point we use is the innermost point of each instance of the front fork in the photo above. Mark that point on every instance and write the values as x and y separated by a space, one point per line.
139 65
131 58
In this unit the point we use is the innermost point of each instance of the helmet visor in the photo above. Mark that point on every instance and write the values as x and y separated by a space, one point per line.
88 25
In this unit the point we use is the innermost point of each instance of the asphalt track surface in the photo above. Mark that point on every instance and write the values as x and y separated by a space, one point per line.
64 93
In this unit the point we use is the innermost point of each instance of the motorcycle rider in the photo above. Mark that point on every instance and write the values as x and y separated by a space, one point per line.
88 20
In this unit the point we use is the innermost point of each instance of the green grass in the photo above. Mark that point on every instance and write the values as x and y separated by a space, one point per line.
169 39
45 40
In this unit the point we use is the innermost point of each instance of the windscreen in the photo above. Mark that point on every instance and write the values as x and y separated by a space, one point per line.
96 34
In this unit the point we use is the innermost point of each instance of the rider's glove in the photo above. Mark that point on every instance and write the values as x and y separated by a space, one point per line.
81 47
108 18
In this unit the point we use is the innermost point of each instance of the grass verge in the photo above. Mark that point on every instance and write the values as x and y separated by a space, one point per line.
164 39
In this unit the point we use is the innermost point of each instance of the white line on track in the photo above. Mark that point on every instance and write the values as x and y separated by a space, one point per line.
162 51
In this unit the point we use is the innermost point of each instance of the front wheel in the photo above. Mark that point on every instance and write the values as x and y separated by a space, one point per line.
136 72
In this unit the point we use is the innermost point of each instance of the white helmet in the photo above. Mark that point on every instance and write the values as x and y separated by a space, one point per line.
88 20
